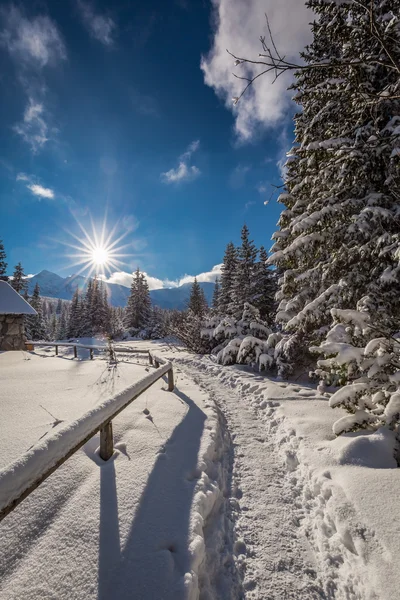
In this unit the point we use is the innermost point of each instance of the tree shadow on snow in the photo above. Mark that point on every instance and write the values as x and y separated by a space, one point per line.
154 560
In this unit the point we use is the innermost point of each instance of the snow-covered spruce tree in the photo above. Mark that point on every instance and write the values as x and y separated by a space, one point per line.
228 270
242 341
18 281
52 327
216 296
157 324
245 275
34 324
188 327
76 316
265 288
197 301
339 233
87 325
137 311
62 326
363 355
3 263
116 316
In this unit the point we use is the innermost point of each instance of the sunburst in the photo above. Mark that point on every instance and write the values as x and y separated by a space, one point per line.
98 251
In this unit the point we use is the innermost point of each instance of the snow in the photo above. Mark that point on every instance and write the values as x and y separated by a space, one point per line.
22 473
234 486
361 418
333 489
131 527
11 303
347 393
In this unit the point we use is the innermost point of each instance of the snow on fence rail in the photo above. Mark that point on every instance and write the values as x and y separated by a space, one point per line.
24 475
30 345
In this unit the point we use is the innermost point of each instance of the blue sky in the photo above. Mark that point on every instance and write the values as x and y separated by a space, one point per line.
105 109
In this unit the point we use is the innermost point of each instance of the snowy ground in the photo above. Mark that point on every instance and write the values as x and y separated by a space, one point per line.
234 488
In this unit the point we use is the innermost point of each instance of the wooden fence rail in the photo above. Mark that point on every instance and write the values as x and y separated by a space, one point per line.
30 345
22 477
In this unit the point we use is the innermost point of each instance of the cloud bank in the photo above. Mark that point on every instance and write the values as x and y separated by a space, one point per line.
237 27
124 278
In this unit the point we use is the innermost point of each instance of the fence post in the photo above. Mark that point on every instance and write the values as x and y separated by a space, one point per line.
56 350
150 358
171 384
75 352
106 441
91 353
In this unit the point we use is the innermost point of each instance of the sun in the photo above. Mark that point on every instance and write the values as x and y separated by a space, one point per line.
100 256
99 251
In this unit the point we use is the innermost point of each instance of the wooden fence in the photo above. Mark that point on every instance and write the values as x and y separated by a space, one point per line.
75 345
22 477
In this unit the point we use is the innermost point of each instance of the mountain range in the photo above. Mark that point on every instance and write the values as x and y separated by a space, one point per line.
55 286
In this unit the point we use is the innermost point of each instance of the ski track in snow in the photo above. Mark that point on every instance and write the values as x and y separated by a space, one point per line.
294 534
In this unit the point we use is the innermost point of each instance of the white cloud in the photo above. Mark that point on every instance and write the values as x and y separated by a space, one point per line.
101 27
39 190
124 278
238 28
33 128
36 41
184 171
209 276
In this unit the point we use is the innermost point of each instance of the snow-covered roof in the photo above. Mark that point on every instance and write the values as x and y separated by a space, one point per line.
11 303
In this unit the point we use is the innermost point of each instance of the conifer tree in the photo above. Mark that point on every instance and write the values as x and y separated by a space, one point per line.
74 327
52 328
3 263
265 288
18 281
138 306
62 326
339 233
197 302
227 298
245 276
216 296
116 327
35 325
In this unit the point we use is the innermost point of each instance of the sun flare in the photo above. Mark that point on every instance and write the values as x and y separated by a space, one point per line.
100 256
99 251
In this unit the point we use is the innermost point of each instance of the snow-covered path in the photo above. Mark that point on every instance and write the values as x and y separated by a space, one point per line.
274 561
232 488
